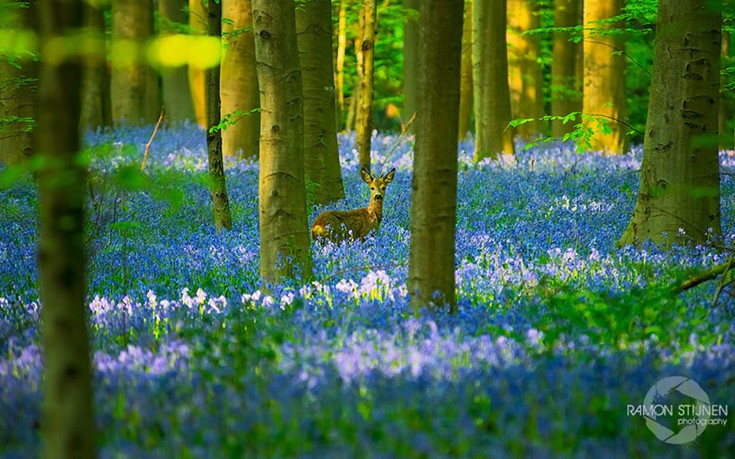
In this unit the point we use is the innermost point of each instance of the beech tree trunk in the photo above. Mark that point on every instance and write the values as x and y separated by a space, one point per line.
679 193
197 83
566 89
434 197
174 80
321 156
284 233
239 83
411 70
67 424
365 75
465 86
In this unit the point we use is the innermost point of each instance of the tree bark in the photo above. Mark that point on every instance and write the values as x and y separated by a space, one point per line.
68 420
680 181
565 87
134 85
526 81
465 86
174 80
493 136
365 75
604 78
220 200
284 233
321 155
339 79
434 195
239 82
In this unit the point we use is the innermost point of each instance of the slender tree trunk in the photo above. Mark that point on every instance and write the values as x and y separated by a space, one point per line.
321 156
174 80
604 78
726 97
493 136
220 201
239 82
526 81
339 79
198 26
365 60
465 87
680 180
434 197
410 56
96 109
134 90
284 233
18 80
68 420
565 87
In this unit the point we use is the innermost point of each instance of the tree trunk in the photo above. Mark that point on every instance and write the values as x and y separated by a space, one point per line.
239 82
175 80
434 197
220 201
604 78
526 81
321 156
565 87
680 181
284 233
197 84
67 423
726 97
365 57
339 79
410 56
18 80
465 86
493 136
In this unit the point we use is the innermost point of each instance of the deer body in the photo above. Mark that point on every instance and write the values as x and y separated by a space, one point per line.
350 225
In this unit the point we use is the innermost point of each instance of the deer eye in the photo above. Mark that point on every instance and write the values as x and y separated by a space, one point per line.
372 188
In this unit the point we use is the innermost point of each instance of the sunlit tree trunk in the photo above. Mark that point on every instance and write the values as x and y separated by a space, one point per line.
565 87
434 196
604 77
67 424
284 233
492 95
680 180
526 81
465 86
339 79
18 80
321 156
134 87
726 97
239 83
198 26
365 57
410 56
174 80
220 201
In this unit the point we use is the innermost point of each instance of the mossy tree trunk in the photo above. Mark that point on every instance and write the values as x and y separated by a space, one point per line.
434 197
284 233
67 422
239 82
493 136
220 201
134 88
680 175
321 155
604 77
565 87
365 76
465 86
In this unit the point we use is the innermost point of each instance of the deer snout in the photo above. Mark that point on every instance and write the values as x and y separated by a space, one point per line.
378 197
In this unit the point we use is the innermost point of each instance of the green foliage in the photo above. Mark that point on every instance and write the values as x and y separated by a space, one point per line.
232 118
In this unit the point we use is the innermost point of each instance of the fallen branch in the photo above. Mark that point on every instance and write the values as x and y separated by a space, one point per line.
705 276
150 141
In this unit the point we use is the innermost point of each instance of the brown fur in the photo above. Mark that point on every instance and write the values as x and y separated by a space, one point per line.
350 225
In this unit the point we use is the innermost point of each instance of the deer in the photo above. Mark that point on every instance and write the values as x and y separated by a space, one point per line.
351 225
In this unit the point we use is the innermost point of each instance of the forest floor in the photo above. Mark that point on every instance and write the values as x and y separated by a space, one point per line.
558 332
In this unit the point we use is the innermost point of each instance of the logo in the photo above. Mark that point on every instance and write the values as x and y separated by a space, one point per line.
677 410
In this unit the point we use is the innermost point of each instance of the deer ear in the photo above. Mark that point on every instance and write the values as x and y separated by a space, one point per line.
389 176
365 174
